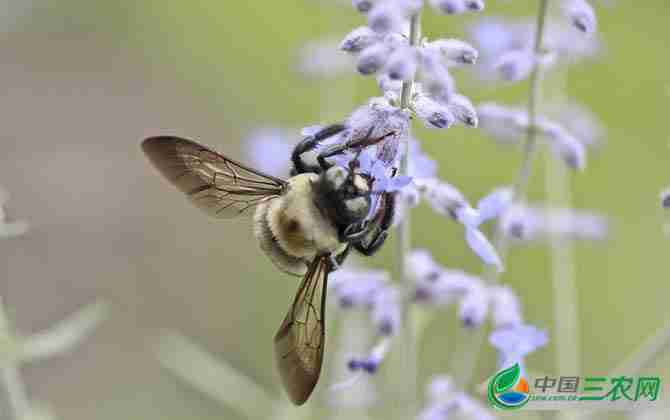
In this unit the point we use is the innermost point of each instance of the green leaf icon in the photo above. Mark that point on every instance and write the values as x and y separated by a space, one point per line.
507 378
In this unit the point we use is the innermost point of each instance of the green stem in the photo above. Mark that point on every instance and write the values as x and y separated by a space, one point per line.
519 187
407 337
11 377
521 184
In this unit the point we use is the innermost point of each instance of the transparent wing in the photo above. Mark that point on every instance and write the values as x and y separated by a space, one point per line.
300 339
220 186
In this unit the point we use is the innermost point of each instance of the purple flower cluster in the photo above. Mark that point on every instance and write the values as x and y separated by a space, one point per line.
477 301
507 47
382 48
508 124
370 290
449 201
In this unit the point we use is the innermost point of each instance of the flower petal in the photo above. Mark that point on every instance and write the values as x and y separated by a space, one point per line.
494 204
482 247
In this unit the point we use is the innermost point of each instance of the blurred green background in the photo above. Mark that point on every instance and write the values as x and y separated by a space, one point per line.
83 82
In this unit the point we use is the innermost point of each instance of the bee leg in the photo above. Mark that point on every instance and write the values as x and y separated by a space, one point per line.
374 246
336 261
355 232
309 143
384 225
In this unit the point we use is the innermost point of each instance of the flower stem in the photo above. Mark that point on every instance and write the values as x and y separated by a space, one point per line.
407 338
466 365
521 184
17 396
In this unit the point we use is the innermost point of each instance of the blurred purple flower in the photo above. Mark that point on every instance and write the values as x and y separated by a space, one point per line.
353 287
581 15
505 307
370 363
322 59
474 306
269 150
665 198
444 401
359 39
529 223
515 343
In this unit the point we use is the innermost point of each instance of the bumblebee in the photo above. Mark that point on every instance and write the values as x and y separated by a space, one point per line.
306 225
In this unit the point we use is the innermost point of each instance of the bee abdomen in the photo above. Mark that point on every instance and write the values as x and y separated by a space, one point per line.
270 245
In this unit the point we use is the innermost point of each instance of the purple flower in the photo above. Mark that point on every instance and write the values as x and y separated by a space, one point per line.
568 147
356 287
371 362
578 121
372 58
504 124
436 80
385 17
474 306
402 64
385 312
536 223
422 265
363 6
463 110
505 307
444 400
581 15
515 65
359 39
455 51
515 343
489 207
475 5
665 198
481 246
432 113
450 7
269 150
444 198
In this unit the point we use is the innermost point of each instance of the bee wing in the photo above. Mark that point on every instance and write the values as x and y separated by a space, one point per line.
220 186
300 339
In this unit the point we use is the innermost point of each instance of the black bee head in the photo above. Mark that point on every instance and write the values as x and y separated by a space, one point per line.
346 193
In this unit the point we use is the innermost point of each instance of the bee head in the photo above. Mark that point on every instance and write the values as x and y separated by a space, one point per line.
347 193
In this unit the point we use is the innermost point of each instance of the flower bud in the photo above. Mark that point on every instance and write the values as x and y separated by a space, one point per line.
359 39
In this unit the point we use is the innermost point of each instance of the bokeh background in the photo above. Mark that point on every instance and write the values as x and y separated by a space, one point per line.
83 82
